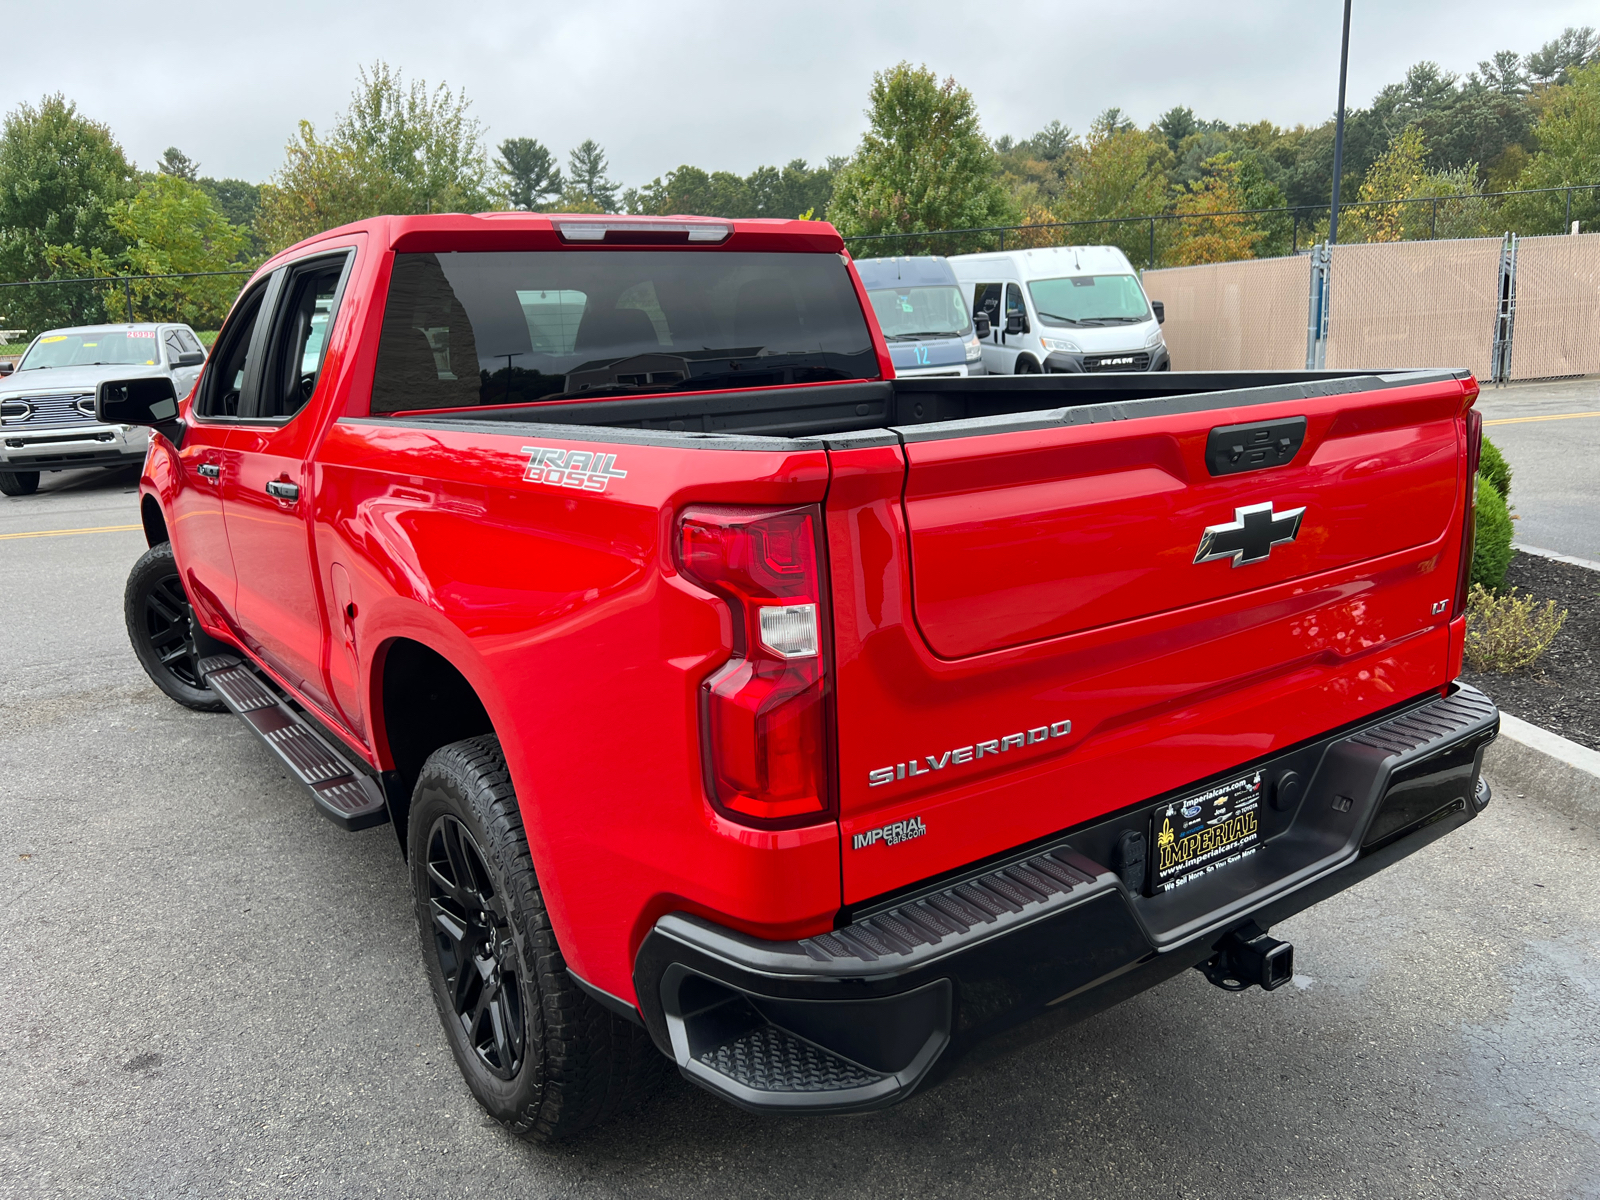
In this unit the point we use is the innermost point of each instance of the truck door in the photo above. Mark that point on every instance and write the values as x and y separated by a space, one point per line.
208 459
268 499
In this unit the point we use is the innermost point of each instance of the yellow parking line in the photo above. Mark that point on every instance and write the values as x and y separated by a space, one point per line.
65 532
1552 417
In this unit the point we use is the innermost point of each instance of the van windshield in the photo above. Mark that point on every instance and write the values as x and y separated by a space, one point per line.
913 313
510 327
1089 300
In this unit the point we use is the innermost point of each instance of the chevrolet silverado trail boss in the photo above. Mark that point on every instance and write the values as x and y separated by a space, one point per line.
742 707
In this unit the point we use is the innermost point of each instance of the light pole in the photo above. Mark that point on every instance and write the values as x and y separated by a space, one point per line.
1338 129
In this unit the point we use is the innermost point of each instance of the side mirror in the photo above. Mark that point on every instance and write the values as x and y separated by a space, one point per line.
190 358
1016 323
7 367
1160 310
148 401
980 323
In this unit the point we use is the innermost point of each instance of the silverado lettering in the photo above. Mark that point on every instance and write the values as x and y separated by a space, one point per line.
628 748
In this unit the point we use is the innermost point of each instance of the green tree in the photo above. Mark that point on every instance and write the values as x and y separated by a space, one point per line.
176 162
528 173
62 176
1568 134
1557 59
239 201
588 189
398 148
1215 231
923 164
1122 173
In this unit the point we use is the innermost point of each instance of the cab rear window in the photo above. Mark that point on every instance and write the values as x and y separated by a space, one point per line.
510 327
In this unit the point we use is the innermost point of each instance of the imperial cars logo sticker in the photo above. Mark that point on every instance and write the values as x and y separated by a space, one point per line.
891 834
581 469
911 768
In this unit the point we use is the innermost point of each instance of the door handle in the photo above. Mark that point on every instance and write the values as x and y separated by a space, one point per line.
210 470
282 489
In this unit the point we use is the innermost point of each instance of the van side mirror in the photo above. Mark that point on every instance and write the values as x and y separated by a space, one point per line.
1016 323
1160 310
148 401
190 358
980 323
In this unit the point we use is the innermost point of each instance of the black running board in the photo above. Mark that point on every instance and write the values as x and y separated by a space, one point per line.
343 792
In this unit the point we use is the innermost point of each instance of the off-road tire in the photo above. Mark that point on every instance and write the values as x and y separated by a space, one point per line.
167 640
581 1064
19 483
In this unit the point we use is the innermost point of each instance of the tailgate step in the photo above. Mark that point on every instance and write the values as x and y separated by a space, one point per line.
343 792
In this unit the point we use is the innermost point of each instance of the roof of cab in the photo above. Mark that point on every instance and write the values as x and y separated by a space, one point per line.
444 232
1049 262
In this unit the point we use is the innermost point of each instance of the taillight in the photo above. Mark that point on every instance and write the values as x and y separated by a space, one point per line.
1469 527
764 713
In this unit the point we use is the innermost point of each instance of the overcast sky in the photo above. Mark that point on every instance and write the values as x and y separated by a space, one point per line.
723 85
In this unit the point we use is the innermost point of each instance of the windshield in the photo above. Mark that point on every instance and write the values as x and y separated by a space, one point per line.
918 312
117 347
1089 300
509 327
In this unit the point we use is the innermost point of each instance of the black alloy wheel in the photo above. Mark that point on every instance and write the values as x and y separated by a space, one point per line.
477 953
161 625
541 1056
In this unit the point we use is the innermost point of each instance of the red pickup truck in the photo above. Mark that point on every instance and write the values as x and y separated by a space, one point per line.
741 707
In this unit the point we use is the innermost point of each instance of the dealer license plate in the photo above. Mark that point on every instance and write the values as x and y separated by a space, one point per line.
1198 834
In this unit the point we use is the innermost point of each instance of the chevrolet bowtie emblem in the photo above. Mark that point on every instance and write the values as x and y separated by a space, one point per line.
1251 535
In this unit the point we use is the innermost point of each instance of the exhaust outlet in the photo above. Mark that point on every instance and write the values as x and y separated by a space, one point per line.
1247 957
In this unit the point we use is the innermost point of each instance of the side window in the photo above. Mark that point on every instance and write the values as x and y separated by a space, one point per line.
188 341
228 375
1016 306
174 347
300 340
986 298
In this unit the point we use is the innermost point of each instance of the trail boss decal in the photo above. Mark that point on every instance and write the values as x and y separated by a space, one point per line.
965 754
891 834
580 469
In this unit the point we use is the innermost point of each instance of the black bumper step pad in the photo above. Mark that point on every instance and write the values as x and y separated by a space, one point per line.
769 1059
342 791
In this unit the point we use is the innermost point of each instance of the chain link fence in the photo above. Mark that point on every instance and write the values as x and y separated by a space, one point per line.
1159 240
199 299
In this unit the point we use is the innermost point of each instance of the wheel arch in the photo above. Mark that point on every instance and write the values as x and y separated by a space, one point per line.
155 523
420 701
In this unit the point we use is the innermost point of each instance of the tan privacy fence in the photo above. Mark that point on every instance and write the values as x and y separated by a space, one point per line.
1393 304
1235 316
1557 329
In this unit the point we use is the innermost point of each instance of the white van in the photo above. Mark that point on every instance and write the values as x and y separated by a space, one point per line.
1065 308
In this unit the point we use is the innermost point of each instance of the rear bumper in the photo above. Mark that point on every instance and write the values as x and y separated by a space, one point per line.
861 1017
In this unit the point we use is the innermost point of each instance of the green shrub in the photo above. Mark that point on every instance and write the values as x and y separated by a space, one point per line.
1492 466
1491 547
1506 632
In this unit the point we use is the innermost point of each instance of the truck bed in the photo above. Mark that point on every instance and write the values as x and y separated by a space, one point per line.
821 415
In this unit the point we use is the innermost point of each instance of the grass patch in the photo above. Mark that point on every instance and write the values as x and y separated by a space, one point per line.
1506 632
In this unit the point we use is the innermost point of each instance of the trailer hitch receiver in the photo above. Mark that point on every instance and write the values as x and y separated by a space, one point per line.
1247 957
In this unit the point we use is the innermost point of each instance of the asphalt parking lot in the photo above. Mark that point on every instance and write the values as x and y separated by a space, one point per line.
1550 434
212 991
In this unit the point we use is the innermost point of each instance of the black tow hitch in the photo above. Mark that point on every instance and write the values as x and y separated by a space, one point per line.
1248 957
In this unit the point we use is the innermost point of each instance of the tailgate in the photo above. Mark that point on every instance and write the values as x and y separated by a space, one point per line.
1046 618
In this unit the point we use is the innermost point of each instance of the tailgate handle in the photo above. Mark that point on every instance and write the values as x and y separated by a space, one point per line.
1234 449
